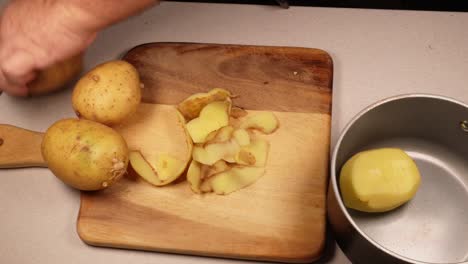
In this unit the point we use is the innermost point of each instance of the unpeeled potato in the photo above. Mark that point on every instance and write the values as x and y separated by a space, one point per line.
56 76
84 154
108 94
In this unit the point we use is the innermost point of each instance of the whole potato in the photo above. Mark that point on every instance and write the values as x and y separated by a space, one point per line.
108 94
84 154
56 76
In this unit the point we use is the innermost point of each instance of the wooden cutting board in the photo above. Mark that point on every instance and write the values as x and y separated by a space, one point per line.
279 218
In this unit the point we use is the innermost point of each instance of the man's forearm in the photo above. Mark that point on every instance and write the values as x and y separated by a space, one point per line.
35 34
98 14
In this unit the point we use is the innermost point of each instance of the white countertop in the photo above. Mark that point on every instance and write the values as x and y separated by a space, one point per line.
376 54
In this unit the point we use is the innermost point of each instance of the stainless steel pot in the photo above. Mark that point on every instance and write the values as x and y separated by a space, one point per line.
433 226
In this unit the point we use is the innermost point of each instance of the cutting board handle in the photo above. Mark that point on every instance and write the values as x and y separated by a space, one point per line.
20 148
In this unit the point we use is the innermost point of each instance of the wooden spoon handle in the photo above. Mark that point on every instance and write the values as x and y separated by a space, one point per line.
20 148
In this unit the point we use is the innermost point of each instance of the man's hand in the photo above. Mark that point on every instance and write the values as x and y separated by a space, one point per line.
35 34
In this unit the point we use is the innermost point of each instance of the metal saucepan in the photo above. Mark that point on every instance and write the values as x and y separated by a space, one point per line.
433 226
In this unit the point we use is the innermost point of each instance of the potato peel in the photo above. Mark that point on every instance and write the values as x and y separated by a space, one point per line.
245 157
209 171
194 176
241 136
255 154
265 122
237 112
214 152
212 117
221 135
191 107
226 154
143 168
232 180
167 168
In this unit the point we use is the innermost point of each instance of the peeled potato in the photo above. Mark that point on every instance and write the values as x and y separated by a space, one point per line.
379 180
191 107
56 76
84 154
108 94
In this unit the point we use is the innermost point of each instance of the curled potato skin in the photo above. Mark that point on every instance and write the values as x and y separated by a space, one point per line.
85 155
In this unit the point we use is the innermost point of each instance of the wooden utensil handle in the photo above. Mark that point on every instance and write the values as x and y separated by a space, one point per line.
20 148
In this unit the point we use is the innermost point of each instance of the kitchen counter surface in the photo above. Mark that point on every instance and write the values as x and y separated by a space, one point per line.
376 54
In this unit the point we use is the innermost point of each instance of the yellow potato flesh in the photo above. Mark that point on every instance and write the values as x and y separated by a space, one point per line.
242 137
212 153
198 173
143 169
212 117
379 180
233 179
166 169
221 135
169 167
266 122
194 176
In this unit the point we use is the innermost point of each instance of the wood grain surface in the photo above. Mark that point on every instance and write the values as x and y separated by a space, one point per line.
268 78
20 147
279 218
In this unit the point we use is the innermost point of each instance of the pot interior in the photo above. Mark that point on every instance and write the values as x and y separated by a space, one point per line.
433 226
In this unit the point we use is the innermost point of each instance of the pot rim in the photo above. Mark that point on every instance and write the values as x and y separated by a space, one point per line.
335 154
